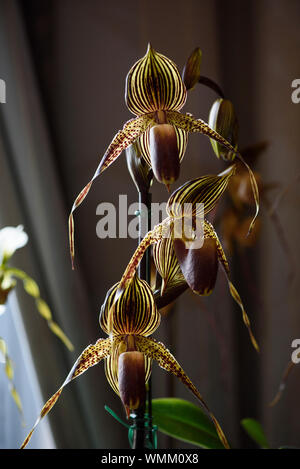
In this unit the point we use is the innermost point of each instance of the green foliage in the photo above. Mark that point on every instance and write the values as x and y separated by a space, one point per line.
256 432
184 421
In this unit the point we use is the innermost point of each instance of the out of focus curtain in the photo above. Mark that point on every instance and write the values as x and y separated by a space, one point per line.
31 195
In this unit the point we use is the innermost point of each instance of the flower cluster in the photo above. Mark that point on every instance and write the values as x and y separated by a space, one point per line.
156 141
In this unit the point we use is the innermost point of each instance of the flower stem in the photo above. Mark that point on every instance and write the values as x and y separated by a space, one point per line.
143 424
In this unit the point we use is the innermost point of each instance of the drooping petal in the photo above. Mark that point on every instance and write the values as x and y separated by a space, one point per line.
150 238
188 123
153 84
289 368
233 291
254 191
205 190
125 137
223 120
91 356
157 351
31 287
133 312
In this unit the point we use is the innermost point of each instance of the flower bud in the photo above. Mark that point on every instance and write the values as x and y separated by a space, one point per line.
139 170
132 379
191 71
199 266
164 153
222 119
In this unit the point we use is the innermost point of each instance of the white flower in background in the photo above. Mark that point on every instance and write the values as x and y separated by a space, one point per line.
11 239
2 310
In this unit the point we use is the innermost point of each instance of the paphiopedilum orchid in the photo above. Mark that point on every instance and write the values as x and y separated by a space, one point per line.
129 316
178 262
155 94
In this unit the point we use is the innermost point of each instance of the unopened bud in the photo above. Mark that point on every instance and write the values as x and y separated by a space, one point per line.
131 378
191 71
138 168
164 153
222 119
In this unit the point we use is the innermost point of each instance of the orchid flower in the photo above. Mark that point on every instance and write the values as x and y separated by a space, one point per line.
179 263
11 239
155 93
129 318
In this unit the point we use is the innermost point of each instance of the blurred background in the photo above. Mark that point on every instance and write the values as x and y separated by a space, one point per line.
64 63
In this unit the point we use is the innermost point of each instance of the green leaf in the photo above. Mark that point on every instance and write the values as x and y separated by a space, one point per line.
256 432
185 422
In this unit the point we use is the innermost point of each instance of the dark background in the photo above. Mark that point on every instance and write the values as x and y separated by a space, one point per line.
70 58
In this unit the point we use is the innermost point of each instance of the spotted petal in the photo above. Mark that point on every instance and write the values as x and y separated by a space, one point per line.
157 351
153 84
131 131
233 291
91 356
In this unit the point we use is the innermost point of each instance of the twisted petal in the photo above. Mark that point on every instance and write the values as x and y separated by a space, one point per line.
150 238
153 84
133 312
131 131
31 287
91 356
157 351
210 232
